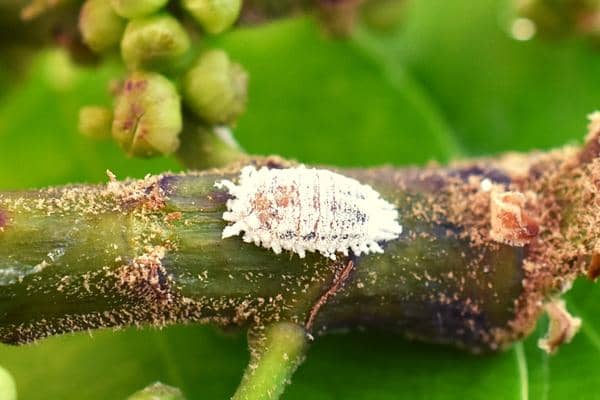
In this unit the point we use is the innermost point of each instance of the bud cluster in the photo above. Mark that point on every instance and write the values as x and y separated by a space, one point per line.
165 85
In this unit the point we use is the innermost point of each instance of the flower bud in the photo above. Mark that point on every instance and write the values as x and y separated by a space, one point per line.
101 28
155 42
147 116
95 122
215 16
215 89
136 8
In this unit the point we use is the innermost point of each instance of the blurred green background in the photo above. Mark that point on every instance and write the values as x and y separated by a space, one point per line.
450 83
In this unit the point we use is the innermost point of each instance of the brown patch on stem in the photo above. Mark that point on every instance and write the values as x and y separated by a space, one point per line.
563 326
3 220
509 222
593 270
568 186
173 216
146 277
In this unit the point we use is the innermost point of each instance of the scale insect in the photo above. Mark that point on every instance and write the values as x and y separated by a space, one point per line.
306 209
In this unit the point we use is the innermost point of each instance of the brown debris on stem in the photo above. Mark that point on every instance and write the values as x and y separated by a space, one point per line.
510 224
594 268
146 276
3 220
563 326
567 184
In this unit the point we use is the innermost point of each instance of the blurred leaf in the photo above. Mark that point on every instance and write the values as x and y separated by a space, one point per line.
326 101
450 82
497 93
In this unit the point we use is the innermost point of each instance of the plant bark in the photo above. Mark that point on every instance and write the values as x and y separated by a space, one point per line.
150 252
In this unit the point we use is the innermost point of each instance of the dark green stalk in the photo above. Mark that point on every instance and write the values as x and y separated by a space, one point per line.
204 147
474 266
150 251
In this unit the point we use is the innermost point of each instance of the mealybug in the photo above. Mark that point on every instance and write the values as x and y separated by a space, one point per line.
304 209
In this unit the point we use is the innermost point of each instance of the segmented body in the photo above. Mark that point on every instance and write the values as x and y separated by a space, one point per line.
304 209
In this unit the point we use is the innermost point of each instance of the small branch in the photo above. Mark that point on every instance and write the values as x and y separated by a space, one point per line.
151 252
276 353
204 147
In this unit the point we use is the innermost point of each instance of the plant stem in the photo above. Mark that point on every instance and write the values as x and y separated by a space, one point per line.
150 252
204 147
275 355
475 264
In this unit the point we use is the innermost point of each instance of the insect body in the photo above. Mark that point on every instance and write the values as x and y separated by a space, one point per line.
302 209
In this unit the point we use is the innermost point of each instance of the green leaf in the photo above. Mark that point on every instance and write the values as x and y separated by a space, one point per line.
325 101
450 82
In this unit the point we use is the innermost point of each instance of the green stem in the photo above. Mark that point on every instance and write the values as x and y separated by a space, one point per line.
204 147
276 355
151 252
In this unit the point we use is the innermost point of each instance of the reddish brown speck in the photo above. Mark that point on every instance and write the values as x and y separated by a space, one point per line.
174 216
262 205
284 196
3 219
509 222
131 85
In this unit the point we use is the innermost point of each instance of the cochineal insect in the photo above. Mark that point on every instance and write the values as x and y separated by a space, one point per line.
307 209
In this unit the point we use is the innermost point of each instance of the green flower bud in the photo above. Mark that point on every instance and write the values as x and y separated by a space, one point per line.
147 116
95 122
155 42
216 89
157 391
8 390
136 8
101 28
215 16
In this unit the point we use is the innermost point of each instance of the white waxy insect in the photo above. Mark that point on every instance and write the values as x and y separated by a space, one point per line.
302 209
